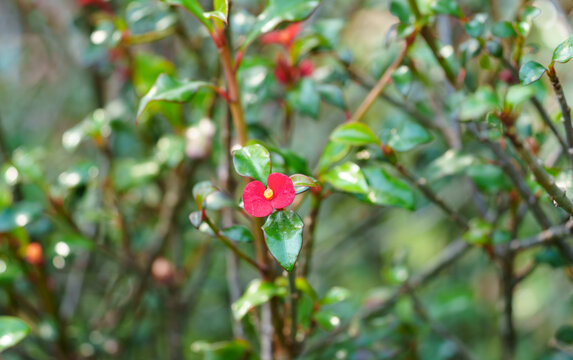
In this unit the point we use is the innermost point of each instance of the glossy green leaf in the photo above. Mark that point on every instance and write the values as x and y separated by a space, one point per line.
238 233
503 29
564 51
494 48
476 25
530 12
253 161
565 334
347 177
451 163
196 219
19 215
12 331
333 152
385 189
405 136
333 95
479 103
283 236
304 98
401 10
220 10
200 192
489 178
227 350
531 72
327 319
78 175
478 233
194 7
170 89
258 293
10 270
447 7
302 182
551 257
518 94
402 78
278 11
335 295
354 134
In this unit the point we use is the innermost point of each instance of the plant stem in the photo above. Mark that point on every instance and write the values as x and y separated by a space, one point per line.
381 84
230 244
293 292
309 234
536 167
565 110
429 193
507 327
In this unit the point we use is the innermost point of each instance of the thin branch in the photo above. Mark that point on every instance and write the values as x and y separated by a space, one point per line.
381 84
507 326
565 110
545 237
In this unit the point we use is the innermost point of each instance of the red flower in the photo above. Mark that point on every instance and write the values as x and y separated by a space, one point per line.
260 201
283 37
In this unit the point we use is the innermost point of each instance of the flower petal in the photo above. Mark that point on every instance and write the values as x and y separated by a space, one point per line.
283 190
254 200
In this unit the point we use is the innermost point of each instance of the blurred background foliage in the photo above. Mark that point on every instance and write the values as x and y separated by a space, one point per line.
83 180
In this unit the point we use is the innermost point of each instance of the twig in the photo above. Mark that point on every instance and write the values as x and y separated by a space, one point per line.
429 193
444 259
536 167
507 327
381 84
545 237
565 110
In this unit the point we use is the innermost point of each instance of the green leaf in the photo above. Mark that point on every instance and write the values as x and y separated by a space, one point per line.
518 94
479 103
354 134
405 136
258 293
347 177
327 319
529 13
503 29
12 331
302 182
447 7
253 161
304 97
278 11
402 78
196 219
220 10
194 7
385 189
476 25
238 233
335 295
494 48
551 257
170 150
564 51
283 235
401 10
19 215
169 89
531 72
451 163
333 95
478 233
565 334
200 192
333 152
128 173
227 350
489 178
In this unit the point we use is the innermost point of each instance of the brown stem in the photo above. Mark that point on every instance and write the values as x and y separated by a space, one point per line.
507 327
565 110
381 84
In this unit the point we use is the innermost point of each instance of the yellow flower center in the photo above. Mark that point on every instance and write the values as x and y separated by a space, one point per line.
268 194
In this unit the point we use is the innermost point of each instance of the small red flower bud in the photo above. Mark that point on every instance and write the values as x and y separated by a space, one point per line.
306 68
283 37
259 201
34 254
